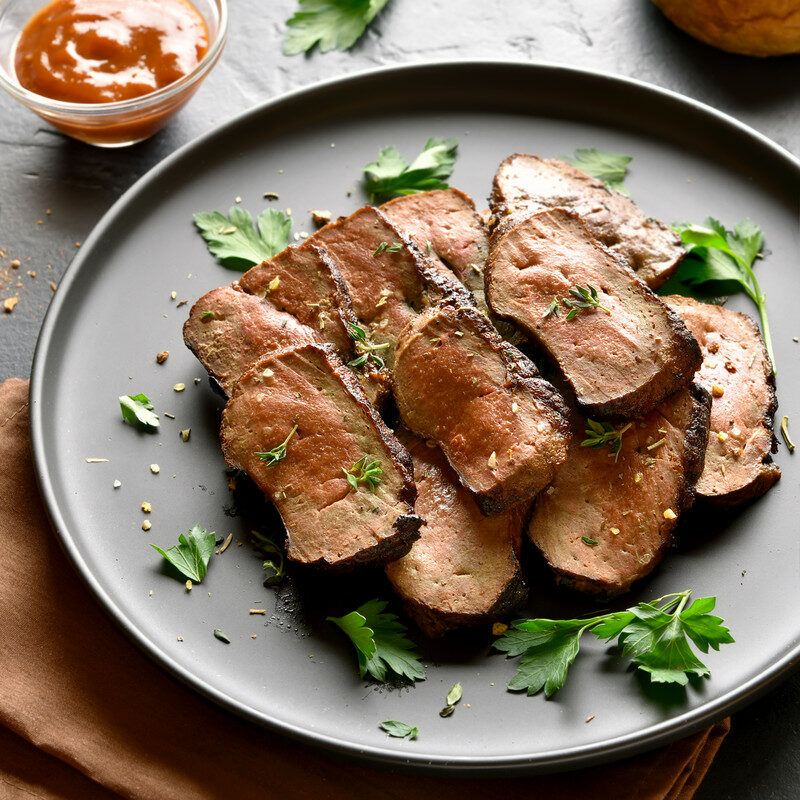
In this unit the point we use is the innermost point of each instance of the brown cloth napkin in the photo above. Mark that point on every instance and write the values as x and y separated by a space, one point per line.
84 714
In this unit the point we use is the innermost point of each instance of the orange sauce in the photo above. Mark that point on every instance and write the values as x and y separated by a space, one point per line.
101 51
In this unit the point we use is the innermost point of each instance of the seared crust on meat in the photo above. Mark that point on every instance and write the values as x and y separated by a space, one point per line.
737 371
501 426
525 183
308 285
327 523
464 568
444 224
227 330
602 525
620 363
388 279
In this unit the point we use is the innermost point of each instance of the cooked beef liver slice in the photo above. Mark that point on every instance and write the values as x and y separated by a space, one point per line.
525 183
737 464
628 507
620 364
464 568
390 287
310 288
501 426
227 330
445 223
327 523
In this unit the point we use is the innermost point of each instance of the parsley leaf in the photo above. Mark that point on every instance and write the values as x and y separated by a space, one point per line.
720 262
192 553
137 410
654 636
611 168
239 243
381 643
399 729
331 24
390 176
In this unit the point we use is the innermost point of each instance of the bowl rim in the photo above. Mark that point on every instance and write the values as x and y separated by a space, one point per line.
10 83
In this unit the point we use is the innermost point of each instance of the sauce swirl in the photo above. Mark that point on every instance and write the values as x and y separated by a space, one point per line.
102 51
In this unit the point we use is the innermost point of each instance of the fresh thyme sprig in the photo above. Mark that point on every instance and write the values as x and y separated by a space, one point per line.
602 434
367 351
582 298
366 470
272 457
273 557
552 309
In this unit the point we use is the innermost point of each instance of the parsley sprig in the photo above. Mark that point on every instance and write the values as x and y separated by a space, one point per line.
611 168
391 176
655 636
604 434
331 24
192 553
366 470
137 411
277 454
367 351
239 243
381 643
720 262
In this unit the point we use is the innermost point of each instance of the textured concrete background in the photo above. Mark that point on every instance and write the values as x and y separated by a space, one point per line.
40 170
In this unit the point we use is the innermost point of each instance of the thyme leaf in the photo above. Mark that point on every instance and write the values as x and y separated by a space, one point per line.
366 470
604 434
366 351
277 454
582 298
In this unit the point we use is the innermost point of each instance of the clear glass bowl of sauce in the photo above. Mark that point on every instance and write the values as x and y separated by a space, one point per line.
108 72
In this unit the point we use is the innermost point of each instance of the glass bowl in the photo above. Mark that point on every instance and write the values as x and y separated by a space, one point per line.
115 124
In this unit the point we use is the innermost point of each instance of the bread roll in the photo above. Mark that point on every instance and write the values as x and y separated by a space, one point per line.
750 27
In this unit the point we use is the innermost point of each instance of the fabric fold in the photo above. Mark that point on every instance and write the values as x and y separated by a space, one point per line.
85 714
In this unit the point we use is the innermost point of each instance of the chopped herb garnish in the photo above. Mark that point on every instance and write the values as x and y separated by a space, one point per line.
137 410
552 309
785 434
395 247
367 351
453 696
582 298
239 243
207 315
366 470
381 643
277 454
602 434
399 729
221 636
192 553
655 636
588 540
330 24
391 176
720 263
273 563
611 168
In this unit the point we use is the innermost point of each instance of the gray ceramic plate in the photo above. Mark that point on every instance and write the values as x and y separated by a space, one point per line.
113 312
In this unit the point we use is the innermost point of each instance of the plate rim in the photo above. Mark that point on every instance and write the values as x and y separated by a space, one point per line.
612 749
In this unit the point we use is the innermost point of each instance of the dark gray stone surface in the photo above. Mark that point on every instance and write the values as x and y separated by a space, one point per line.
40 169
